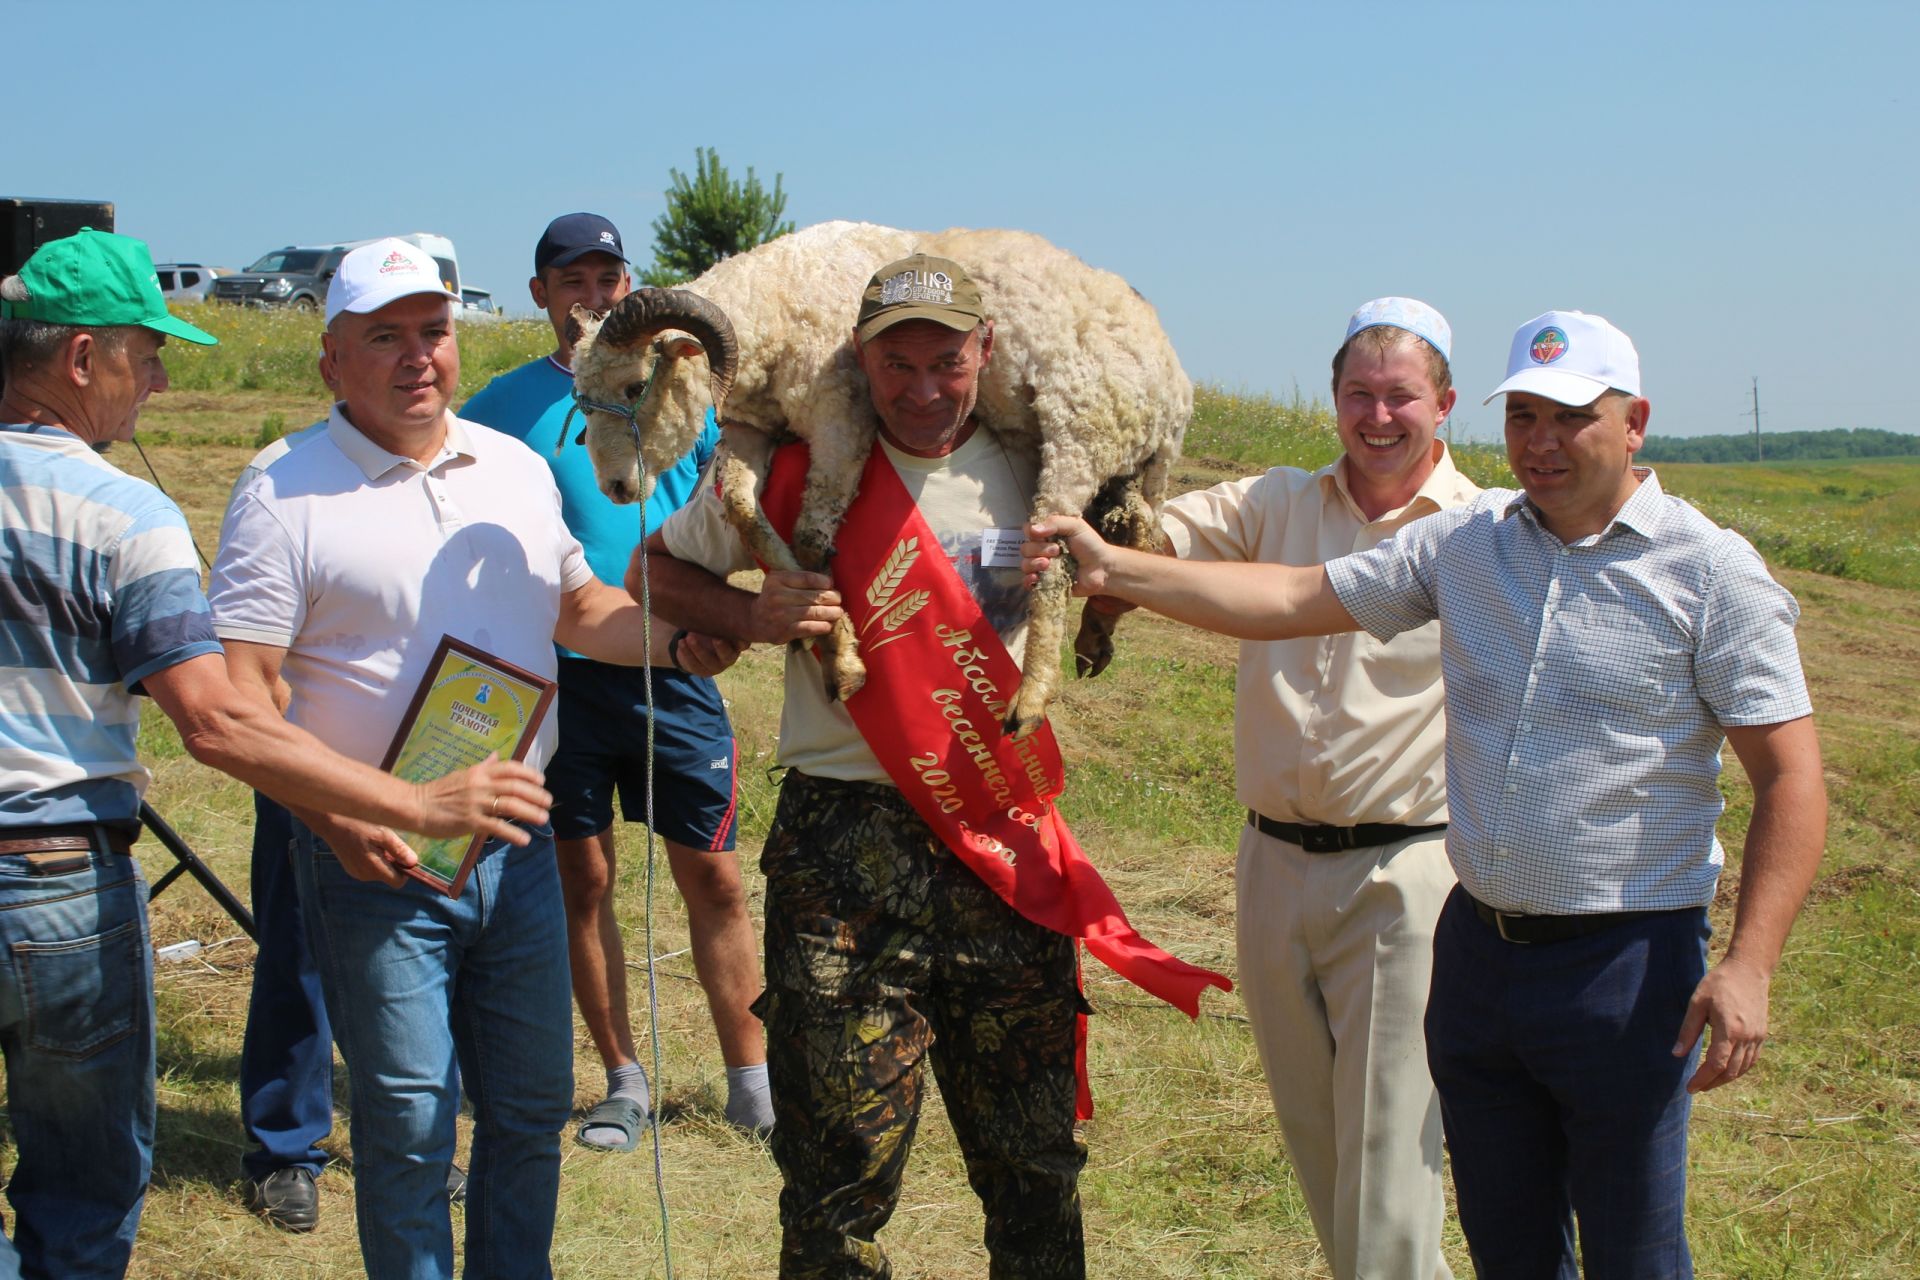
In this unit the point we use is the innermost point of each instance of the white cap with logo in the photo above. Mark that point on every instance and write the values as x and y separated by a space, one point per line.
375 274
1571 357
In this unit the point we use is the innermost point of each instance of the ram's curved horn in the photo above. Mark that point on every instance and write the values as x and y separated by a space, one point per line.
643 313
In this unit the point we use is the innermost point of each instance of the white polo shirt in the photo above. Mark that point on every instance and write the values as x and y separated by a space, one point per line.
356 561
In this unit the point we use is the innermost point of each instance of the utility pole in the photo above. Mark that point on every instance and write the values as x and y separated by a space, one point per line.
1756 419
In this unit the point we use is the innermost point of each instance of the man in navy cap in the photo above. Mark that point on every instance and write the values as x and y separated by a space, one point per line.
603 711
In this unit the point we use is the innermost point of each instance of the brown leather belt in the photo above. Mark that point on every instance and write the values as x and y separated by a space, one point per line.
72 838
1319 839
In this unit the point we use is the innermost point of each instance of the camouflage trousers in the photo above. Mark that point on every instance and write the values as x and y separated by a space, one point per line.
884 950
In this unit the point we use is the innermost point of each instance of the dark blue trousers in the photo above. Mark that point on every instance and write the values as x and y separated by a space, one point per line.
1560 1094
286 1058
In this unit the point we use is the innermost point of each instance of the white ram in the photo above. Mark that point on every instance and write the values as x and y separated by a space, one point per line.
1083 380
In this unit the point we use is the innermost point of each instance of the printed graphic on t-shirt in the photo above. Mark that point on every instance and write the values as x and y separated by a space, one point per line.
1002 593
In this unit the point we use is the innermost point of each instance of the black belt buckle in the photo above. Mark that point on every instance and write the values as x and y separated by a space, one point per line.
1326 839
1498 919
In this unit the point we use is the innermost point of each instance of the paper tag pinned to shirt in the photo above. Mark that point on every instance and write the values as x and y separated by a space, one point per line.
1000 548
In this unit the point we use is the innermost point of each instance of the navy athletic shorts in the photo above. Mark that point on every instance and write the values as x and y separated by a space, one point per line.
603 747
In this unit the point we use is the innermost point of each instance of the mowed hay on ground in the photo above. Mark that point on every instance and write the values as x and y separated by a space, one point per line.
1809 1167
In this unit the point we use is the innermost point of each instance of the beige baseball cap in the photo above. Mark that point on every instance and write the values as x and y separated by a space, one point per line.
922 287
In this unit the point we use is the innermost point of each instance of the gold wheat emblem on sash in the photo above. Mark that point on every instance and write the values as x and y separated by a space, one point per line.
891 608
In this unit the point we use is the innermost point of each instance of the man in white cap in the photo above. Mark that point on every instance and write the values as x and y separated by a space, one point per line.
1343 864
341 566
1600 642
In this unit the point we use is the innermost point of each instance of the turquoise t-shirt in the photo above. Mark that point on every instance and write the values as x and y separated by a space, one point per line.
530 404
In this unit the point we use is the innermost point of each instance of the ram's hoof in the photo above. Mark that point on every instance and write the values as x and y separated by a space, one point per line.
844 683
1093 642
1023 721
1087 665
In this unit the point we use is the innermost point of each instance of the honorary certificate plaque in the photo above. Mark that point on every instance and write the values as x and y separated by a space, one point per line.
469 705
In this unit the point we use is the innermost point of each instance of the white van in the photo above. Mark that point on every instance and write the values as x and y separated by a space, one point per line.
439 248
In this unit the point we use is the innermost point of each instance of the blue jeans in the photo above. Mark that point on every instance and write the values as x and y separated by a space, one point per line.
76 1025
1560 1094
286 1057
412 979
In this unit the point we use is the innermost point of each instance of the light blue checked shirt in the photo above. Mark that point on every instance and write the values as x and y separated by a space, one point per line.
1587 686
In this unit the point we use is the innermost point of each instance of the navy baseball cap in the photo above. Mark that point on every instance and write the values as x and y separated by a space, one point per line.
574 235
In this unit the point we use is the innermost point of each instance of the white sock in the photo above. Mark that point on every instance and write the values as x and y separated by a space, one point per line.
749 1098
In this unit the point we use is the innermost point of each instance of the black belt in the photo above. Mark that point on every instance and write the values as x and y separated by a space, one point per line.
1333 839
69 838
1527 930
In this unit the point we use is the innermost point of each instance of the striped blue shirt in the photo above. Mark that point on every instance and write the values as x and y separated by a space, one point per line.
100 590
1587 685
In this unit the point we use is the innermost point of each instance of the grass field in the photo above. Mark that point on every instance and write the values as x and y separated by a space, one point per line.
1848 518
1810 1167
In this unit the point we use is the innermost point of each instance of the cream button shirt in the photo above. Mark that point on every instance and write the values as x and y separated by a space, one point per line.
1335 730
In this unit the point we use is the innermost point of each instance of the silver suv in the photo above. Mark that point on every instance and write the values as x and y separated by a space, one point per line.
295 276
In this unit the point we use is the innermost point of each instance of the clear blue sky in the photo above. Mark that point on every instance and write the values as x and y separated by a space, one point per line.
1735 185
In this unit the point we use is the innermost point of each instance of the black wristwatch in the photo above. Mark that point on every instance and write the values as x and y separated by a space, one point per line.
673 649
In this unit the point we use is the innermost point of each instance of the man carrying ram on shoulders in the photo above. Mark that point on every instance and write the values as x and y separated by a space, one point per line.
917 904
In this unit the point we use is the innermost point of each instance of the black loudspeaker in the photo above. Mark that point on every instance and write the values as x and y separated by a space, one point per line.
26 224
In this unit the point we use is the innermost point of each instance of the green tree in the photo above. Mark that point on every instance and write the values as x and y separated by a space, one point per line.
710 218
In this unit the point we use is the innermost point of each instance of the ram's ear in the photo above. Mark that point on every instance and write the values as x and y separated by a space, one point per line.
680 347
580 322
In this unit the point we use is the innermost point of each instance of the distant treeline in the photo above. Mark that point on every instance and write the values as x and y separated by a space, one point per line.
1783 446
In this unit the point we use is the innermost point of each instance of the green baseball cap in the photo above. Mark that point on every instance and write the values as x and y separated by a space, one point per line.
97 278
922 287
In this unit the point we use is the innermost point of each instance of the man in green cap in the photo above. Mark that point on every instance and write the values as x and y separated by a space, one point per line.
103 602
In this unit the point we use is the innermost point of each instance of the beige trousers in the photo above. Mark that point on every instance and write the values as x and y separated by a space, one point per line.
1336 955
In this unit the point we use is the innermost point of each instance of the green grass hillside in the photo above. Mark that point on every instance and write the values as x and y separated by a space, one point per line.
263 379
1808 1167
1851 519
1857 518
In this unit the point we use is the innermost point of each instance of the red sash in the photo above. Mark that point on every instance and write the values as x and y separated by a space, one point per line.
938 684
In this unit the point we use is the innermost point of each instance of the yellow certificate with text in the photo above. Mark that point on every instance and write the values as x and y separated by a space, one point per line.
469 705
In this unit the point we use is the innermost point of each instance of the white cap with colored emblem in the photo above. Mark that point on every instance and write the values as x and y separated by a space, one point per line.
1571 357
385 271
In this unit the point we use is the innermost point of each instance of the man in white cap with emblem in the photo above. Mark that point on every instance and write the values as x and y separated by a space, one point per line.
1600 642
1343 865
341 566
